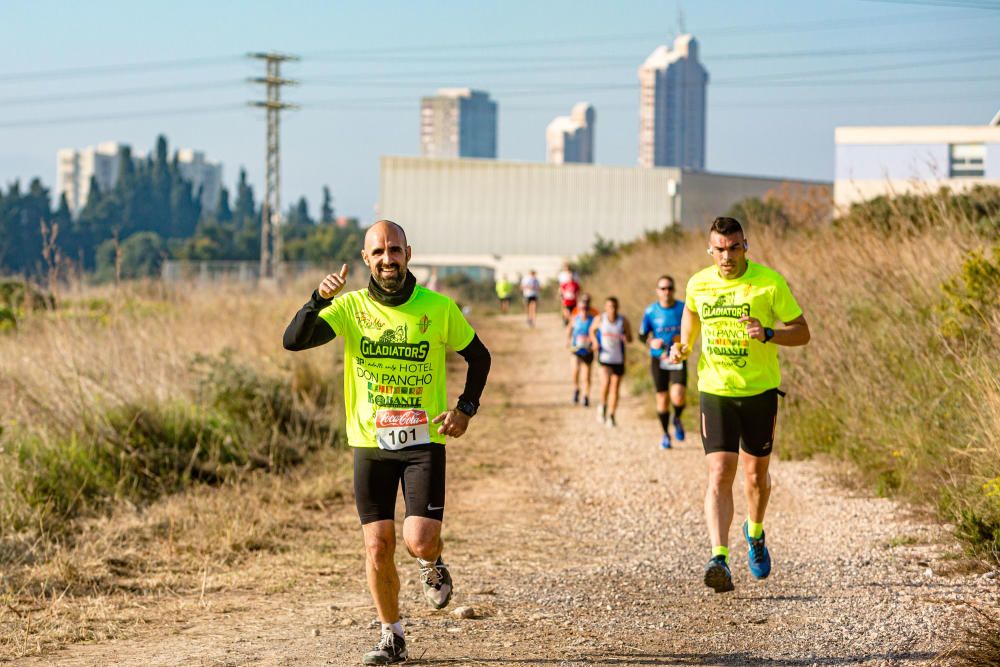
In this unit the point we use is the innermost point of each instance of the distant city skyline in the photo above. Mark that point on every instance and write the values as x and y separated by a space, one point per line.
784 75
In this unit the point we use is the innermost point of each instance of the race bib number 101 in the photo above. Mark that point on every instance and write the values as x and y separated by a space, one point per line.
398 429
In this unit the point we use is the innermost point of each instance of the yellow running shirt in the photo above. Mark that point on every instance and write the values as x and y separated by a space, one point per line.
732 363
394 365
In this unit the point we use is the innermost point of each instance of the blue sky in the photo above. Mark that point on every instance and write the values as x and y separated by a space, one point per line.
783 75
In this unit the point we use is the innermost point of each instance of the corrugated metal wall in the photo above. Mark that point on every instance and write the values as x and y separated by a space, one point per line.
504 208
493 207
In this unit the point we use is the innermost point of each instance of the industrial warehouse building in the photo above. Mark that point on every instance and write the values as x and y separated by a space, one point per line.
873 161
507 217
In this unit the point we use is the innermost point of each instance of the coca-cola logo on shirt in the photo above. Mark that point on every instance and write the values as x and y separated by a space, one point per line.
400 418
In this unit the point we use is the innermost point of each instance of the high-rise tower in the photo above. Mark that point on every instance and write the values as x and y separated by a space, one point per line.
458 122
571 138
672 107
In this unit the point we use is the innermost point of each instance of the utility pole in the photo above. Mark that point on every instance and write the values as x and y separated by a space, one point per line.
270 231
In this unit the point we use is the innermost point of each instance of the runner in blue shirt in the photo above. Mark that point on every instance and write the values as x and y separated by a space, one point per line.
661 327
578 342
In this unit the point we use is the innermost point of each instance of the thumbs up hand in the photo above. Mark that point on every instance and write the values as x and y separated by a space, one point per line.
333 283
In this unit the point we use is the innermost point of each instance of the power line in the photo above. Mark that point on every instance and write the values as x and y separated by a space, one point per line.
121 68
988 5
882 21
537 90
118 93
575 62
152 113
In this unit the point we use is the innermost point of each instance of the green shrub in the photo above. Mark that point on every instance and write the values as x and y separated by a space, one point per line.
8 320
972 297
241 420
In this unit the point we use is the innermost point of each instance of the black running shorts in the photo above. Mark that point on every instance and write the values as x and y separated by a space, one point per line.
663 379
616 369
729 423
378 474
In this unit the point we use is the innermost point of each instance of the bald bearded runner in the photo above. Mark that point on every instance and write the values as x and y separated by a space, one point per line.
396 334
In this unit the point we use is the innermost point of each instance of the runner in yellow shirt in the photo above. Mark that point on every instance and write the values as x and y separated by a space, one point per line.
503 288
395 337
736 305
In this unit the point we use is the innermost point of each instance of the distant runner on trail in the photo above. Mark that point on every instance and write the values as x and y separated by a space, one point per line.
504 288
661 328
579 343
569 288
395 335
531 287
609 333
738 302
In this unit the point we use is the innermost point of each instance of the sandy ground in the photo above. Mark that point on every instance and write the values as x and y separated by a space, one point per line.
577 544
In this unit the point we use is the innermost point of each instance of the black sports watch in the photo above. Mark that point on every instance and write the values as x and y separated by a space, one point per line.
768 334
467 408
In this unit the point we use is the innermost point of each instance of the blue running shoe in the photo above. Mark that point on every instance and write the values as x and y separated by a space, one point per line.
717 575
678 430
665 441
760 559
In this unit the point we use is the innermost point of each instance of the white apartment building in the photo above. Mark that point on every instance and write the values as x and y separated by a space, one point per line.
873 161
204 176
571 138
74 169
672 107
458 122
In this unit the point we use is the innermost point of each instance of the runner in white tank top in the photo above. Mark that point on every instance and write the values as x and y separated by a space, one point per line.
609 333
612 337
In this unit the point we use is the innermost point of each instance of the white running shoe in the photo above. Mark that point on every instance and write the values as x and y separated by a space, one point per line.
437 582
391 648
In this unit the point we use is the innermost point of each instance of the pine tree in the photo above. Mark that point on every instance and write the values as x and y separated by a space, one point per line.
160 186
326 212
223 213
245 212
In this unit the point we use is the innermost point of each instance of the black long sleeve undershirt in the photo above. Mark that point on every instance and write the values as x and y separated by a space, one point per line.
306 329
479 360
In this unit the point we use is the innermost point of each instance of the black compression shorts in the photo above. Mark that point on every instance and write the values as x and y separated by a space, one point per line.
616 369
378 474
663 379
729 423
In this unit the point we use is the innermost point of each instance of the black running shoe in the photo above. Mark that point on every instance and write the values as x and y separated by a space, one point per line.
576 397
717 575
437 583
391 648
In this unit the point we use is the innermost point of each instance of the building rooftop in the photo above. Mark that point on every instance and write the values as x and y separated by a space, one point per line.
684 46
460 92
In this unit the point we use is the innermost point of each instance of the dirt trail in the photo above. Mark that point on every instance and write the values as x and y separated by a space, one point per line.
577 544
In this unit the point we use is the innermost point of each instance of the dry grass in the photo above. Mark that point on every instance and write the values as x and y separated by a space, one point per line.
980 644
89 569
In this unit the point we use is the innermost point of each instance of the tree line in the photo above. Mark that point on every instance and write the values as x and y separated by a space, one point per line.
150 214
